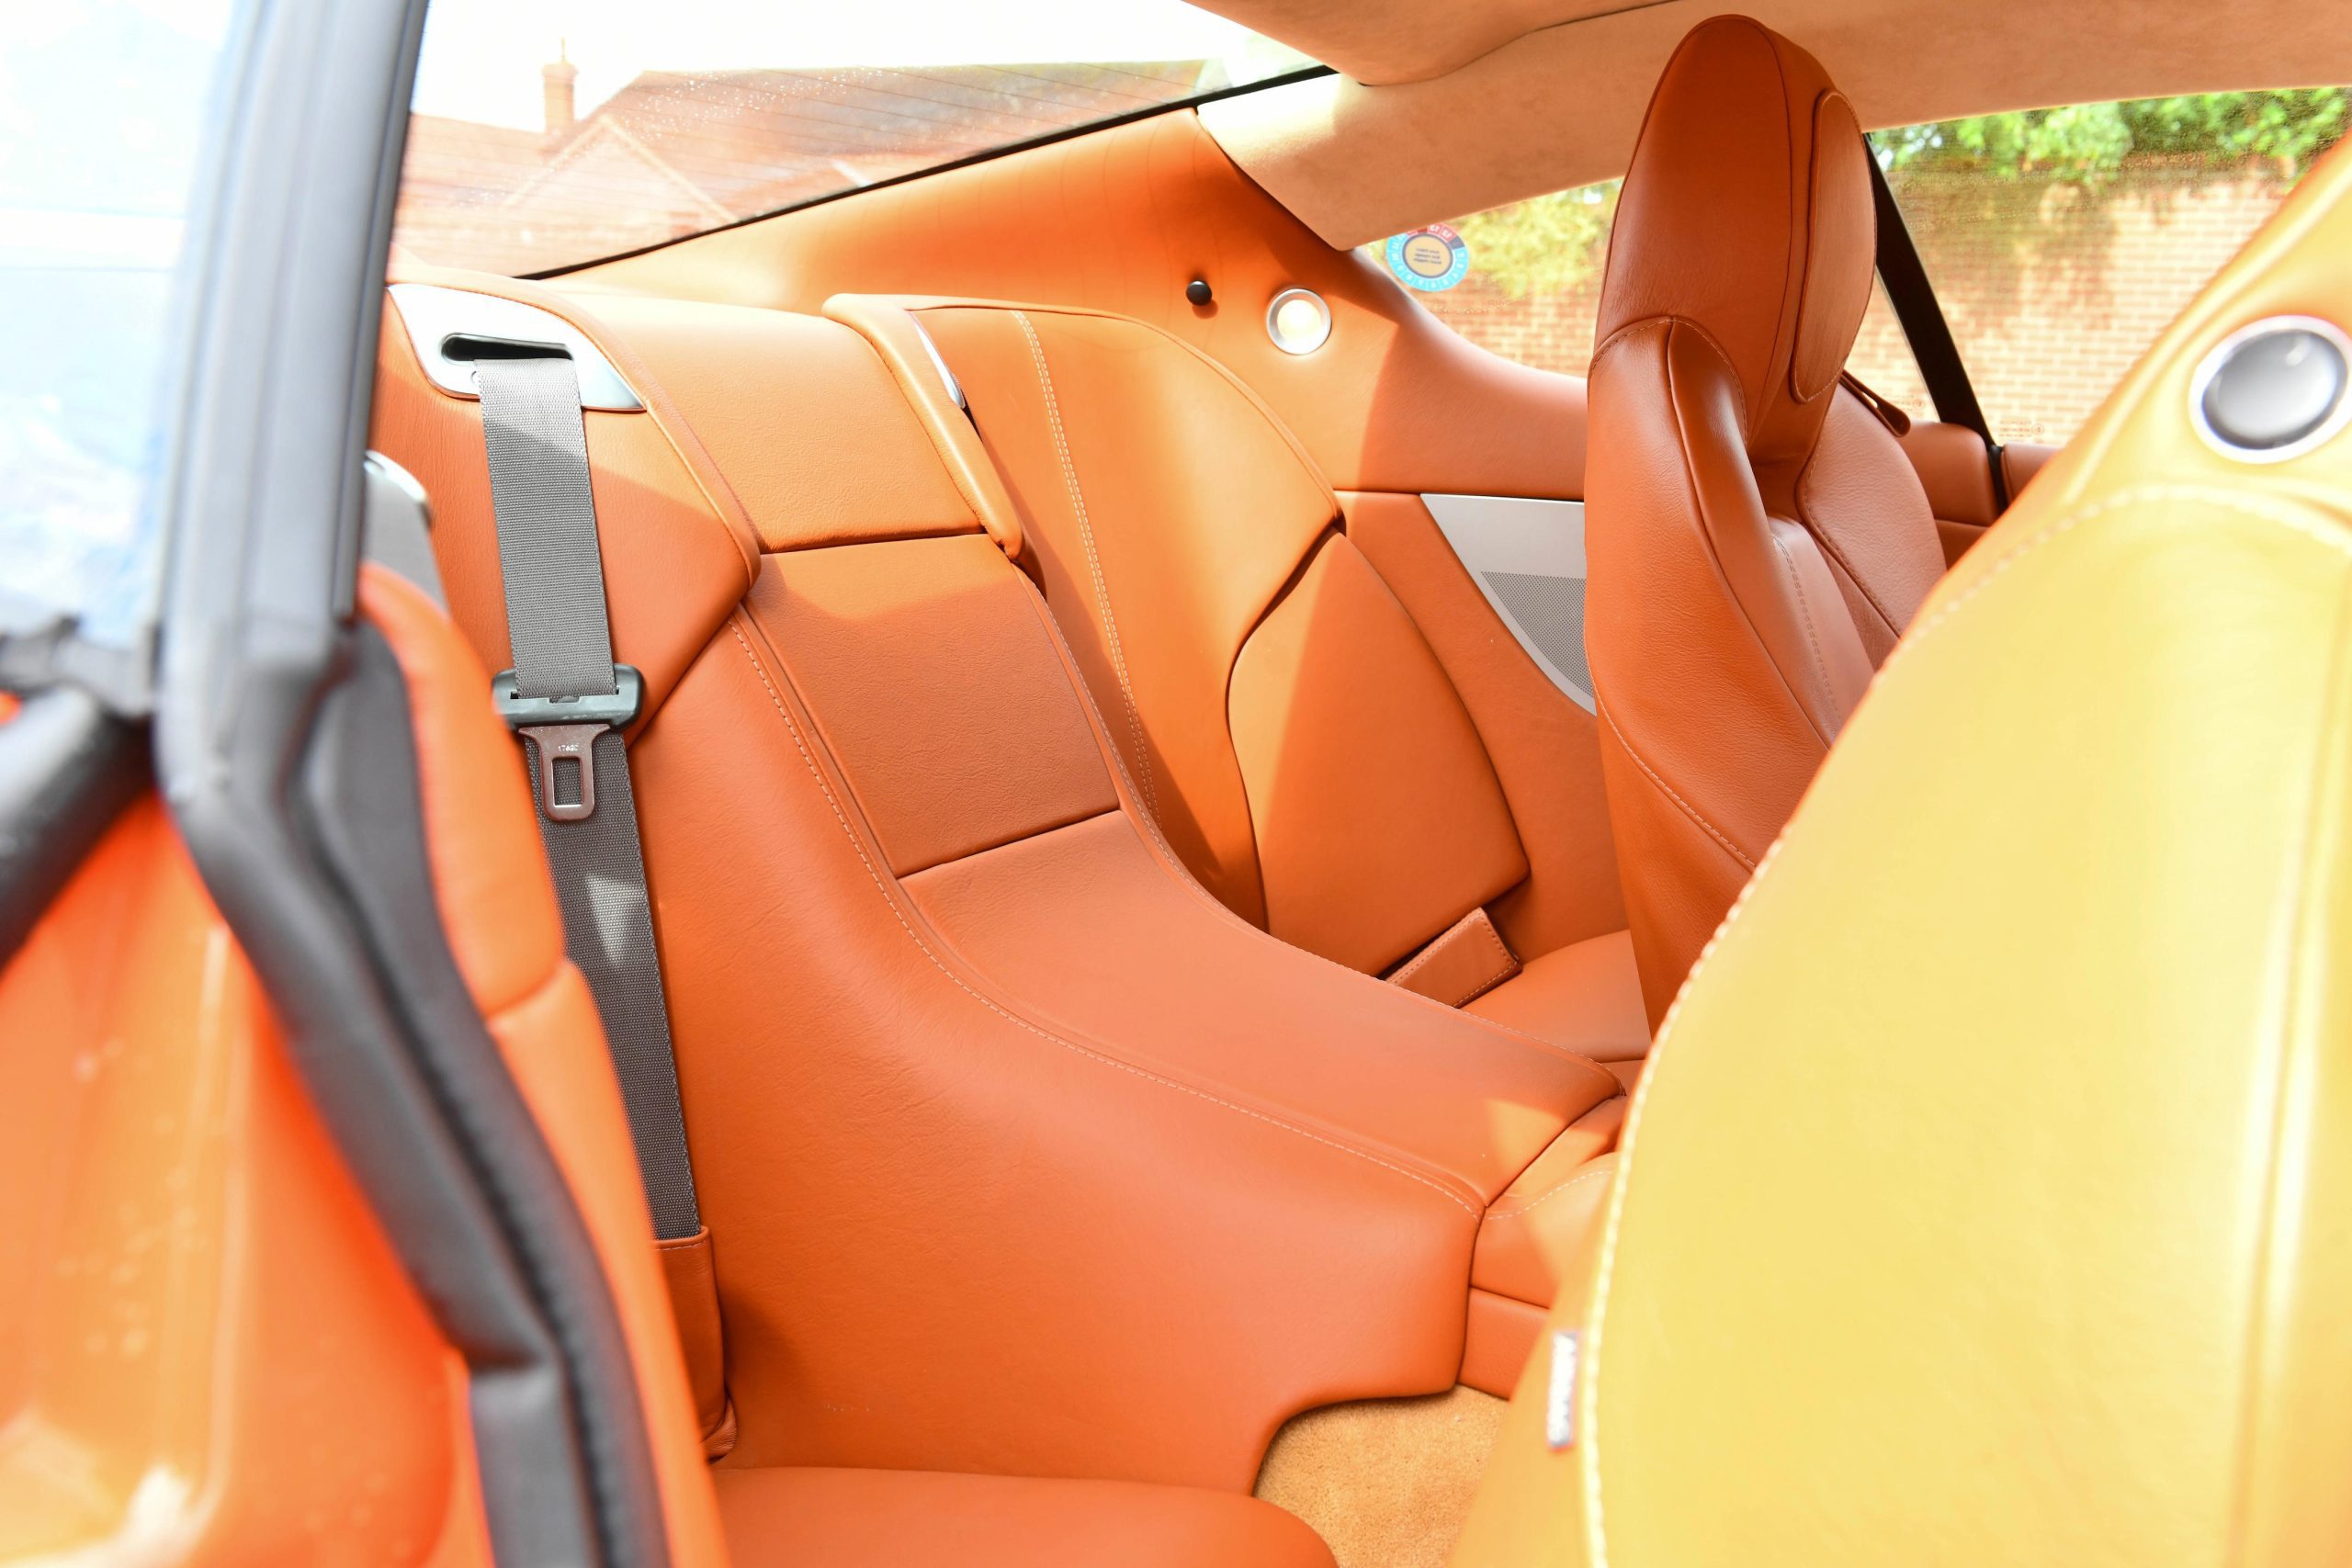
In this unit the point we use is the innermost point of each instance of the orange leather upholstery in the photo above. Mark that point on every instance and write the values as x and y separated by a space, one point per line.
1396 403
498 908
2020 461
1756 537
209 1351
2100 1319
1290 731
1576 997
1121 219
1545 750
1019 1151
865 1519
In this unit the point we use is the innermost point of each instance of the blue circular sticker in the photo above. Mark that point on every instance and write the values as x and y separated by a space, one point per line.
1429 259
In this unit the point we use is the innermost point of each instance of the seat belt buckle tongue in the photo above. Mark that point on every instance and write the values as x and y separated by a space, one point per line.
562 733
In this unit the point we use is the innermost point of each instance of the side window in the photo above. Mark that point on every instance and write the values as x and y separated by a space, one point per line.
105 108
2062 241
1533 288
1882 360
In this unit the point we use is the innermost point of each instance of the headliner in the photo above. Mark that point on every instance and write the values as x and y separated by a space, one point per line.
1448 106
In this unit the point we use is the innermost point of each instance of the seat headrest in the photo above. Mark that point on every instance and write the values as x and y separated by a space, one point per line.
1747 211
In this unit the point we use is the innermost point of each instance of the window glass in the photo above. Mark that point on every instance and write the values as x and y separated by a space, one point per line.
1882 360
2060 242
1533 288
103 105
553 132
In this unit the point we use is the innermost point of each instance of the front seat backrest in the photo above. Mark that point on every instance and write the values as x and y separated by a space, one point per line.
2030 1245
1756 537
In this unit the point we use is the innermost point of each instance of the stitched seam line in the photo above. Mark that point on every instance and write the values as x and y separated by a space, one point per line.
1093 558
1550 1194
1173 864
1589 1397
1700 510
2296 981
1441 945
1829 546
1805 614
1688 810
1421 960
776 700
1495 977
1481 987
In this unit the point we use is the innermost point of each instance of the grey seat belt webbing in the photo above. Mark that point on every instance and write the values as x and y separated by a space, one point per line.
568 701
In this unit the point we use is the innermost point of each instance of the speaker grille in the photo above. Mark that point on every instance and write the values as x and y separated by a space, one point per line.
1550 613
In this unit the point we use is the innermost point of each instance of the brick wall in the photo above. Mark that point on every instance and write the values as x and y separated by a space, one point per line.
2053 289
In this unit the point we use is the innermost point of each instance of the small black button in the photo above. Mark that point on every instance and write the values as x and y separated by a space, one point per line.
1198 292
2275 389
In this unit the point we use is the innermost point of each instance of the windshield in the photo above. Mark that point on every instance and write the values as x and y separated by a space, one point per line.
545 135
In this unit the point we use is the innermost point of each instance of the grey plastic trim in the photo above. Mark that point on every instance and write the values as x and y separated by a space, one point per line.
435 316
396 530
483 1218
67 769
275 715
938 363
1519 535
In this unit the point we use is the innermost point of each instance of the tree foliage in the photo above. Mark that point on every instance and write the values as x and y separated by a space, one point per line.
1541 247
1559 241
2093 141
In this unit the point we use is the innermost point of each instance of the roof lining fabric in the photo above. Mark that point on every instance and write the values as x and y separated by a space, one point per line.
1414 131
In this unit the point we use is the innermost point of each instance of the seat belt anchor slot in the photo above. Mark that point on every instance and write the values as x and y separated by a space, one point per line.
562 733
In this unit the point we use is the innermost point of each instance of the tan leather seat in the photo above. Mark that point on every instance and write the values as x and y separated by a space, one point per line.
500 914
1019 1153
2028 1247
1756 537
874 1518
1289 728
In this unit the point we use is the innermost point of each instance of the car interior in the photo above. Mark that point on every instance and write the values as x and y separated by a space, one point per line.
1028 859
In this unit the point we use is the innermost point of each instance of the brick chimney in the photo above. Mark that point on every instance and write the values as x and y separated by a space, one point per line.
556 78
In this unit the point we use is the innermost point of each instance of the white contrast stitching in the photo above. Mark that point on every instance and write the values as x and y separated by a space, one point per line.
924 948
1688 810
1437 946
1545 1197
1172 862
1805 613
1093 560
1588 1399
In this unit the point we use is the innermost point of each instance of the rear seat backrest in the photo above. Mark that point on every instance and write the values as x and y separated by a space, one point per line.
1288 727
1017 1150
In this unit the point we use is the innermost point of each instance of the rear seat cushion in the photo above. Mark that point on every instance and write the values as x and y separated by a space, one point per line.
1584 997
851 1518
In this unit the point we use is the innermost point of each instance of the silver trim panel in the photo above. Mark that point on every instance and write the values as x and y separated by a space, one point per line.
1518 537
433 315
955 388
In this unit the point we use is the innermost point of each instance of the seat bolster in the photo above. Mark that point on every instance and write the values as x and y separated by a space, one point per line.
1715 692
853 1518
1861 499
1536 1233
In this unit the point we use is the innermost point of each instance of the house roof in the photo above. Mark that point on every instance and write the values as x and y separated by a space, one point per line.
676 151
